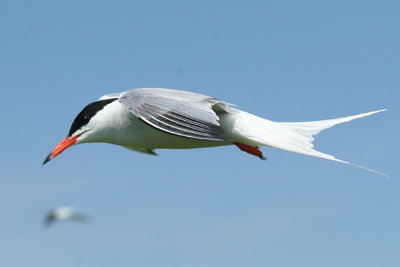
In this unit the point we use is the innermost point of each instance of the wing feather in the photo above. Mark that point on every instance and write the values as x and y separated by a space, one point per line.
177 112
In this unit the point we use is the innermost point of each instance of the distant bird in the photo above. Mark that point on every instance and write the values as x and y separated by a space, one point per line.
149 118
64 214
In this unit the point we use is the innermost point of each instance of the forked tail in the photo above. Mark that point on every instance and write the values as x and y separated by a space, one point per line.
296 136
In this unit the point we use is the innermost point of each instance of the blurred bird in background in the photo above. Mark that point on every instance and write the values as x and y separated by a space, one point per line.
64 214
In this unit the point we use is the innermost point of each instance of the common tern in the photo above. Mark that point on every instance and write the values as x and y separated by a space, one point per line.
145 119
64 214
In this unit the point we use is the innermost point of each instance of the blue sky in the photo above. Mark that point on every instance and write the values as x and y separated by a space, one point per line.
282 60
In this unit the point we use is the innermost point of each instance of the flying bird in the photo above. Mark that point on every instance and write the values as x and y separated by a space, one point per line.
64 214
150 118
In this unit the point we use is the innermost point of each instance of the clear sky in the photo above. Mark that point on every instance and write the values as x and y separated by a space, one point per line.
282 60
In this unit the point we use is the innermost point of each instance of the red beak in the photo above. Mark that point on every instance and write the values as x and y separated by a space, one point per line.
64 144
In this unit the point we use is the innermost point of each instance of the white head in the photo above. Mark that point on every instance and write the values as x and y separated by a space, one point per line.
85 128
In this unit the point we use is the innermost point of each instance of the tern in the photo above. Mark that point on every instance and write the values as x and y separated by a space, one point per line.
145 119
64 213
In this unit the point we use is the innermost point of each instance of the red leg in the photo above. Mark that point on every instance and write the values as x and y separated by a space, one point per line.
253 150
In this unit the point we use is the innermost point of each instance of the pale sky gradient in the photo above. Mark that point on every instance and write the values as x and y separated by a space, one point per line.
282 60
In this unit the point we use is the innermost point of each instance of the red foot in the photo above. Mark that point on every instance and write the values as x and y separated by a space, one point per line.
250 149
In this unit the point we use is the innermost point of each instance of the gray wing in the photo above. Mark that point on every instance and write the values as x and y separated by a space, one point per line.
80 217
177 112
